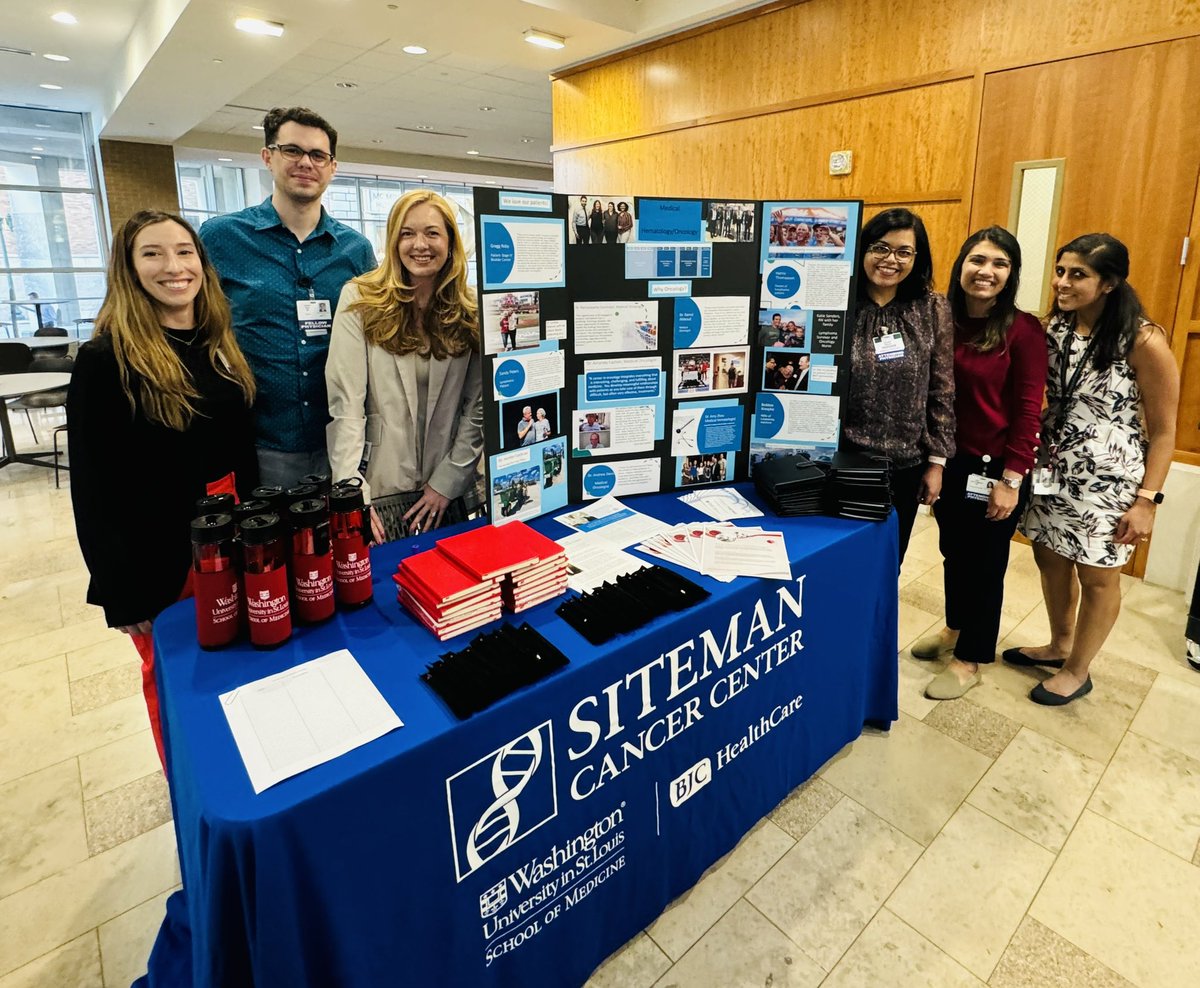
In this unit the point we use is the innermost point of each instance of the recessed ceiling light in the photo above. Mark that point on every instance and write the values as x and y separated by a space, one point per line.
526 140
218 61
57 58
544 39
424 126
489 182
64 18
42 126
224 159
346 85
415 50
35 157
421 178
257 127
48 85
376 140
488 109
37 148
472 151
256 25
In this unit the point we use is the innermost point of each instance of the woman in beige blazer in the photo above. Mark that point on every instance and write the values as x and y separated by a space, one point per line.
404 369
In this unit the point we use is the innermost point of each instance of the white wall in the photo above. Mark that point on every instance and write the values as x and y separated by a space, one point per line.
1175 548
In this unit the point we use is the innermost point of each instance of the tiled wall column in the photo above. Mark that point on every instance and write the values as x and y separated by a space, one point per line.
138 176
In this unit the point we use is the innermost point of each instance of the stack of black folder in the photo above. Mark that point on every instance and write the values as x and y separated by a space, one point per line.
858 486
791 484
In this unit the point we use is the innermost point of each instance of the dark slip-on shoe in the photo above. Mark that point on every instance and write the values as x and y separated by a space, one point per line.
1039 694
1015 657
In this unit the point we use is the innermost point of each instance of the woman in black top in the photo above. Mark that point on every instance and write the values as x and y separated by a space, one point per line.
596 221
158 415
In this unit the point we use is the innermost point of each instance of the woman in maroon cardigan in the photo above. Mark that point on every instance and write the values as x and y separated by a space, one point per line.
999 375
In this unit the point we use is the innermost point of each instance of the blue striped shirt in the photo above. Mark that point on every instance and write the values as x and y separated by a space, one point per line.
262 266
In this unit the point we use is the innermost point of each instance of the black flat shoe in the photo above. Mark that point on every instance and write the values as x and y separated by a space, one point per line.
1015 657
1039 694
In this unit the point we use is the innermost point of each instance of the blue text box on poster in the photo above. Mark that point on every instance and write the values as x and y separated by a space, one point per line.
669 220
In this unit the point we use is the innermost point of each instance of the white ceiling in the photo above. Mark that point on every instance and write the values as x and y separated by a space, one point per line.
177 72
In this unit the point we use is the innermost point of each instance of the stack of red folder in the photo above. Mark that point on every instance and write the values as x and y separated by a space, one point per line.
461 583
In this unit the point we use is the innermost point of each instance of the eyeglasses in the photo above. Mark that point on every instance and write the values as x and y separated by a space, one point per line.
881 250
293 152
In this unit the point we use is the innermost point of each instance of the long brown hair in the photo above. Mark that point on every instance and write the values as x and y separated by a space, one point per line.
386 296
1004 309
129 317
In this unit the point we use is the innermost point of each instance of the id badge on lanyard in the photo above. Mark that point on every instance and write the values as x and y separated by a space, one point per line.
1045 476
889 346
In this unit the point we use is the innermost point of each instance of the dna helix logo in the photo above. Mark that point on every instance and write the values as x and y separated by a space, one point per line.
501 798
512 768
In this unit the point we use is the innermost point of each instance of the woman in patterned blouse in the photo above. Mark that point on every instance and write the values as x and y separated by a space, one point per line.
901 402
1108 435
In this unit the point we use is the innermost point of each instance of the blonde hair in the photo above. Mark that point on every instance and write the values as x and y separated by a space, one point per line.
129 318
386 297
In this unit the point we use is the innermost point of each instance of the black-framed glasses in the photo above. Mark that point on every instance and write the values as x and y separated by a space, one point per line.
881 250
294 152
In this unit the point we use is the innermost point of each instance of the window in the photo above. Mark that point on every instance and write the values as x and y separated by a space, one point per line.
52 244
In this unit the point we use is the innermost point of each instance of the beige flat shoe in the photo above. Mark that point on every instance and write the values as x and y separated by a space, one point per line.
946 685
933 647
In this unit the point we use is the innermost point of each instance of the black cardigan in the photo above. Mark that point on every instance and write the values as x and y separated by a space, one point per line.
134 482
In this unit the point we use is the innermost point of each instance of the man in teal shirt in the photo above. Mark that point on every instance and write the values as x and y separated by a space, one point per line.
283 264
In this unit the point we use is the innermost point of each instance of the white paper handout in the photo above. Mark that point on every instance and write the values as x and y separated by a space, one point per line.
721 503
305 716
592 561
612 522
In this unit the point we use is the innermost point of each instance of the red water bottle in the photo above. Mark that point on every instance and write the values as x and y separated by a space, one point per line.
350 525
312 561
215 580
265 577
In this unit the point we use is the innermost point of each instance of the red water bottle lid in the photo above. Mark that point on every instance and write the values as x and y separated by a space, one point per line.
261 529
208 529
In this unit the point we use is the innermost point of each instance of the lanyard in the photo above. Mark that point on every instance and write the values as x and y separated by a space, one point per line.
1067 387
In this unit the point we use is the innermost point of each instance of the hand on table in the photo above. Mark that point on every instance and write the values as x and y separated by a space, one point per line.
427 513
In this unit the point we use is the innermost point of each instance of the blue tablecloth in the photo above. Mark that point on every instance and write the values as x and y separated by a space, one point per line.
522 846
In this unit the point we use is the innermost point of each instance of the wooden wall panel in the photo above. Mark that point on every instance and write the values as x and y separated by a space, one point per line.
830 46
803 51
1125 122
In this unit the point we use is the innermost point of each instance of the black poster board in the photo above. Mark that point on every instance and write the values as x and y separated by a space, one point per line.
636 351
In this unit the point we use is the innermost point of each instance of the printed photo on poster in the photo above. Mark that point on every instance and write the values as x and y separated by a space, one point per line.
511 321
529 420
554 463
784 328
629 429
762 451
730 222
711 321
517 494
621 478
807 230
786 371
708 468
601 219
616 327
704 372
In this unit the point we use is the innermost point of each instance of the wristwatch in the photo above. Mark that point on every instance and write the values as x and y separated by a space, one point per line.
1013 482
1155 496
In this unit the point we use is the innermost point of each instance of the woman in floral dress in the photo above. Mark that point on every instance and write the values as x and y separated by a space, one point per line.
1108 434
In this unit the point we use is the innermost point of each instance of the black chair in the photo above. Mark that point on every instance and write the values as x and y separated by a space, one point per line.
17 358
49 351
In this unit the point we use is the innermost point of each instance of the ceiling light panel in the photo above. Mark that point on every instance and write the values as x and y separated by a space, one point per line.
256 25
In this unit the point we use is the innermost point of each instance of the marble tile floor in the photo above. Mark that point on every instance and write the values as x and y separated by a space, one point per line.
983 841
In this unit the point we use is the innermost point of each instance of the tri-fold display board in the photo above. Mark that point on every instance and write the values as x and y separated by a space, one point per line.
635 344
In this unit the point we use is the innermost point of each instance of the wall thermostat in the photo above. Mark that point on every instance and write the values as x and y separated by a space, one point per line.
841 162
